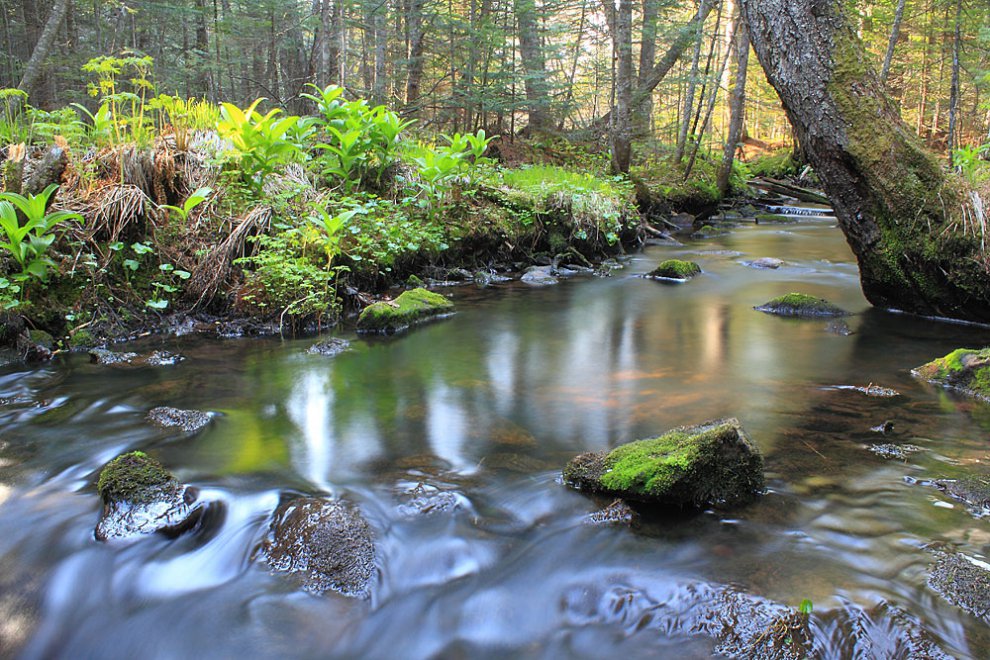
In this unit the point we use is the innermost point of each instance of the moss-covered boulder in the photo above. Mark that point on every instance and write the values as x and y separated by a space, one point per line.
141 497
774 219
675 269
711 464
326 543
388 317
964 369
800 304
708 231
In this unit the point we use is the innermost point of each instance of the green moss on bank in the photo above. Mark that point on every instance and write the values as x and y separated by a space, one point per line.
412 306
964 369
137 478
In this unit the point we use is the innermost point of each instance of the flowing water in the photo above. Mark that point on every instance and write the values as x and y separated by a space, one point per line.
490 404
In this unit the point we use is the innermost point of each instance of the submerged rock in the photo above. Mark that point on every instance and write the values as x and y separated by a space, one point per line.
892 451
966 370
963 581
708 231
800 304
973 491
765 263
539 276
675 269
189 421
325 542
331 347
388 317
426 499
840 328
154 359
713 463
141 497
774 218
617 513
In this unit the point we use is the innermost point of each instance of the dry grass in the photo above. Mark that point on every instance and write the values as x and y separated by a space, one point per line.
212 273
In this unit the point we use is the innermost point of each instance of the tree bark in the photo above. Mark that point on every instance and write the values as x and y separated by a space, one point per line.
900 212
414 53
954 84
737 108
622 128
895 32
689 99
35 66
534 65
643 120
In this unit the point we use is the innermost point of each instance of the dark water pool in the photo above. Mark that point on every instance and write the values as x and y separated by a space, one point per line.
490 403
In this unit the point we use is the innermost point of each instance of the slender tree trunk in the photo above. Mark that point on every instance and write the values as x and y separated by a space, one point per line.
688 110
895 32
379 88
737 109
954 85
414 56
35 66
699 132
898 209
660 70
643 118
533 64
622 129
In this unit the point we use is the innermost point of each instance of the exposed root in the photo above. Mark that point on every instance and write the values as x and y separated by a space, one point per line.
213 271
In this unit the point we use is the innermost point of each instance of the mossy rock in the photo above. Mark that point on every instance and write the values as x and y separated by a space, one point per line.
676 269
711 464
800 304
964 369
774 218
137 478
388 317
141 497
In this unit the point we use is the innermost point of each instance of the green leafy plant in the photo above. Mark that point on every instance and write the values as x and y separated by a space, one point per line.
28 242
261 143
969 163
806 607
197 197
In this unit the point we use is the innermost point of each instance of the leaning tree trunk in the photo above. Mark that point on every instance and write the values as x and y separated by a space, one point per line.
902 215
35 66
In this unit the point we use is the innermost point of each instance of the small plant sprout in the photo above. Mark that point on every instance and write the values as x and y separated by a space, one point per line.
198 196
806 607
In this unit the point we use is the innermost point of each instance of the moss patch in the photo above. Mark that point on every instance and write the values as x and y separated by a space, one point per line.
800 304
675 269
710 464
964 369
410 307
708 231
774 218
137 478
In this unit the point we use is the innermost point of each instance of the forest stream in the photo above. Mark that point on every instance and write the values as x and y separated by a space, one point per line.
484 408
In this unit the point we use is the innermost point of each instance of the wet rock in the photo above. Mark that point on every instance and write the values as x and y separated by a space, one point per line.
840 328
35 346
774 218
800 304
415 306
682 219
331 347
711 464
326 543
892 451
189 421
159 359
708 231
539 276
675 269
425 499
616 513
972 490
664 241
103 356
142 497
963 581
885 428
485 278
966 370
414 282
876 391
765 263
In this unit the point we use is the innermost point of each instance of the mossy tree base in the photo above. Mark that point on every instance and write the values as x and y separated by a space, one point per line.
966 370
415 306
901 213
712 464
